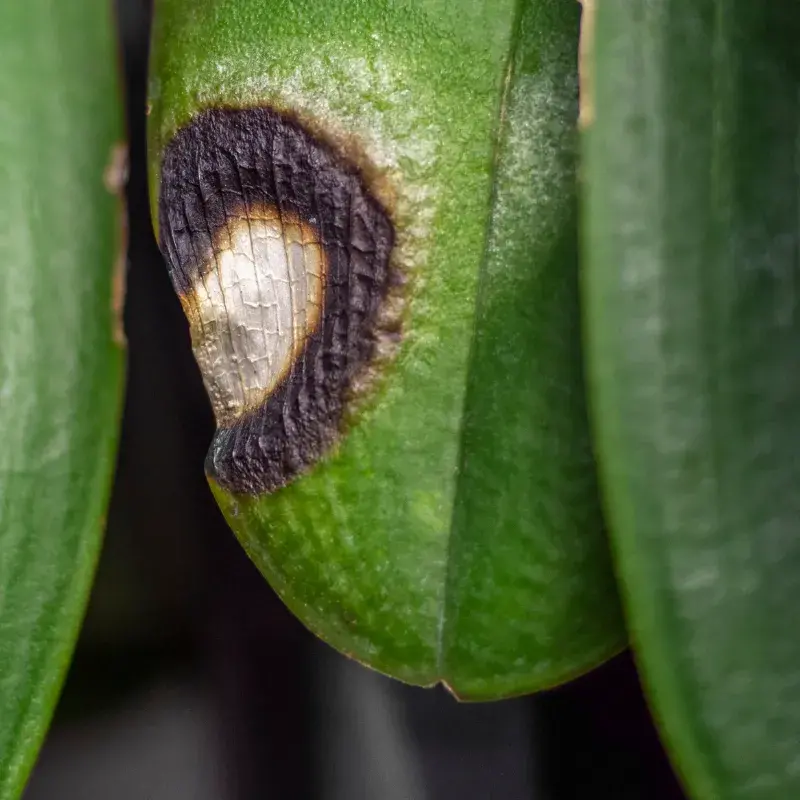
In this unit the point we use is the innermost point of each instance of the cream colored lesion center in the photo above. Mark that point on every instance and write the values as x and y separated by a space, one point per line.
253 306
585 78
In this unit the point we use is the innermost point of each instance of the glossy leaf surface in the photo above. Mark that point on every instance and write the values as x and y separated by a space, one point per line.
60 367
454 532
694 336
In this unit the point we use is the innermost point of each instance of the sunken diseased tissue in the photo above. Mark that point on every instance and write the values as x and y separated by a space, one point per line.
280 257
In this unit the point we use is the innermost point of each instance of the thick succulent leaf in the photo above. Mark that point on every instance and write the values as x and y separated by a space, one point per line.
694 336
452 532
60 366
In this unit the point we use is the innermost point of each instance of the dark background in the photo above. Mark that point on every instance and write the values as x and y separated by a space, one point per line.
191 681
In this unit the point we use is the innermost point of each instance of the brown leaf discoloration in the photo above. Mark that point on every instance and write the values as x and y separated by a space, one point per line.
225 170
586 116
115 179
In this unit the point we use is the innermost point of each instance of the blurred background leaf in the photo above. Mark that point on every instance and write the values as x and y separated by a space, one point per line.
61 170
693 262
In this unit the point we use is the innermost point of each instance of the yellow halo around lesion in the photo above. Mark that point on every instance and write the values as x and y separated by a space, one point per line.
253 306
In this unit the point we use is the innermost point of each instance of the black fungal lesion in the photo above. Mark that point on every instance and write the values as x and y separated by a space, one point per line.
224 164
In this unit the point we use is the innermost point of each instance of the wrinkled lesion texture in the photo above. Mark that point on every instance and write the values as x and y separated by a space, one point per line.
280 330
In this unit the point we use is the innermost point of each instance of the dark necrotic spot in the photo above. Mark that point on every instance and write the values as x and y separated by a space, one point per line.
230 164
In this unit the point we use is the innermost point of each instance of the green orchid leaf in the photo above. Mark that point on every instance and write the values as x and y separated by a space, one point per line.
60 363
368 211
692 270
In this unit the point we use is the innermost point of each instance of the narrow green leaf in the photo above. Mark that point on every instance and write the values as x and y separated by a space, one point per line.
693 265
60 368
451 531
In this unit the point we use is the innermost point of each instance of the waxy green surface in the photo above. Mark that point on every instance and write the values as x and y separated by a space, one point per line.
60 368
455 533
692 274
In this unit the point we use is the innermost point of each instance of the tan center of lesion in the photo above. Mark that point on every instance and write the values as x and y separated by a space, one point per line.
254 305
586 115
